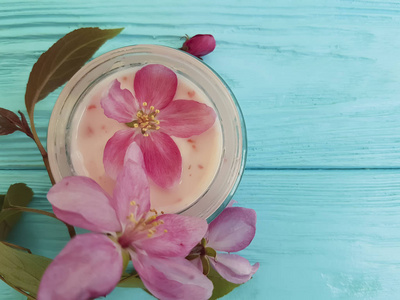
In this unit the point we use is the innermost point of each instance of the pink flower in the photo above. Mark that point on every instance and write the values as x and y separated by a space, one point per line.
151 118
199 45
232 231
91 264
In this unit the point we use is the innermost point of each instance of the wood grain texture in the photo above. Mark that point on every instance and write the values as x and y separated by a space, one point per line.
316 80
318 83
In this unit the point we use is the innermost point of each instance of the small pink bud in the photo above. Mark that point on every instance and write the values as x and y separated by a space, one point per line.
199 45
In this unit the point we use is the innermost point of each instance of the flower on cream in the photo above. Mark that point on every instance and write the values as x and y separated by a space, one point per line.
152 117
124 225
232 231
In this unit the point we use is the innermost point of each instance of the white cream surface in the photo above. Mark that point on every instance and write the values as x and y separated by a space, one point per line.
201 154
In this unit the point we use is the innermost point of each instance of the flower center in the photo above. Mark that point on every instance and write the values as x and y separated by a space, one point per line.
146 227
146 119
204 253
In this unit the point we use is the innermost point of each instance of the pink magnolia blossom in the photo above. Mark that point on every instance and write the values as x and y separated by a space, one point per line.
152 118
199 45
91 264
232 231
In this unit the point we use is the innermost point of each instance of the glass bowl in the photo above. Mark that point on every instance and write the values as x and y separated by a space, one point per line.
234 143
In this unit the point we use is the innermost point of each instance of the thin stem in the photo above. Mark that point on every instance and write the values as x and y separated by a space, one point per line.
16 246
71 229
18 289
41 149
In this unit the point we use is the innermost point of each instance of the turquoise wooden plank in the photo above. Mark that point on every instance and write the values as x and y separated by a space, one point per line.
318 85
317 81
320 234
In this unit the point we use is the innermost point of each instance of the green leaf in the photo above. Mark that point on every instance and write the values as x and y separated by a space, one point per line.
22 270
2 200
222 287
58 64
17 195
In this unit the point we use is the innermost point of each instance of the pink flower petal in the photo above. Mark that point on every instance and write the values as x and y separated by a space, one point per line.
156 85
162 158
89 266
115 150
131 193
172 278
184 118
233 268
233 230
119 104
81 202
183 233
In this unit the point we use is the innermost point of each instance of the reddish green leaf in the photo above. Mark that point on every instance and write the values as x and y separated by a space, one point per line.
9 122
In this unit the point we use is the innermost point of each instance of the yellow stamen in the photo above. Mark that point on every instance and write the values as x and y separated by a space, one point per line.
145 120
132 218
165 230
133 203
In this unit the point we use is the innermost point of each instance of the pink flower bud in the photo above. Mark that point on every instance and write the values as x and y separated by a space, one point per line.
199 45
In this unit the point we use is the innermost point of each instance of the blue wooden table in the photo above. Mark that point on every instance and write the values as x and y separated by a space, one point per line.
319 86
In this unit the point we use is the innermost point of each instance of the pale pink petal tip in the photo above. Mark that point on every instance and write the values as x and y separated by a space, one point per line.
89 266
233 230
131 194
156 85
231 203
134 153
234 268
81 202
119 104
